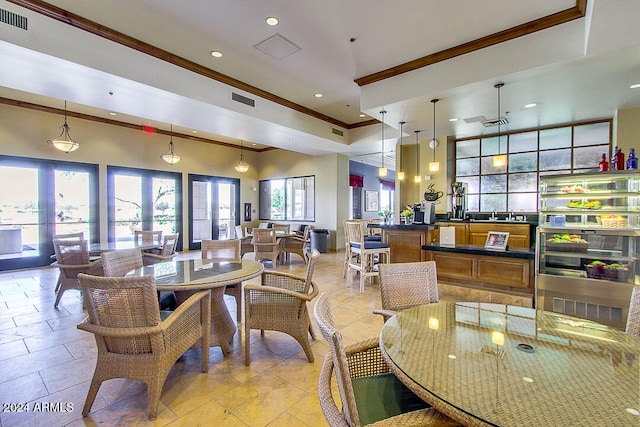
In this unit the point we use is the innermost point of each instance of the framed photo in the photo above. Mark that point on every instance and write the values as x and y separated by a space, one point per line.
496 241
371 201
247 211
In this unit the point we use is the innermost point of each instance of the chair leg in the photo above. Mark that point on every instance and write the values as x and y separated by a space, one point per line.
91 395
58 297
154 389
303 340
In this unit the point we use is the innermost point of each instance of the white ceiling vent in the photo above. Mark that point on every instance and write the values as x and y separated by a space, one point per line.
277 47
495 122
13 19
337 132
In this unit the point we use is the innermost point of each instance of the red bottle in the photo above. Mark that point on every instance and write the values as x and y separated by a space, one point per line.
620 161
604 165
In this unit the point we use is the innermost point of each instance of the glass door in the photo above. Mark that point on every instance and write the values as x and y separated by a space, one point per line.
214 208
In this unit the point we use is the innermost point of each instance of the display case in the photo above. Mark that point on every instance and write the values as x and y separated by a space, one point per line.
587 245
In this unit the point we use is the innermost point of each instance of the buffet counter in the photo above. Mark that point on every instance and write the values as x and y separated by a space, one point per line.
406 241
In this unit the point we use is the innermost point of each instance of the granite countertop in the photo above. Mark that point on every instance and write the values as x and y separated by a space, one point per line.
480 250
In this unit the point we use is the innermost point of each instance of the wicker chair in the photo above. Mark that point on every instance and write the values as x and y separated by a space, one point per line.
364 254
72 258
282 228
369 393
297 244
406 285
147 236
633 319
266 245
230 249
280 304
167 252
119 263
69 236
133 342
245 240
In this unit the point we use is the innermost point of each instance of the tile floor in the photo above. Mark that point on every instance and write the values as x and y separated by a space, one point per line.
47 363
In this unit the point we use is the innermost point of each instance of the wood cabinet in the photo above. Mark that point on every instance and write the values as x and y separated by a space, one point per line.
406 242
519 234
462 231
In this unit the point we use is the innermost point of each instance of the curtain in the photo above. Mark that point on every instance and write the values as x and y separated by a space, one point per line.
388 185
356 181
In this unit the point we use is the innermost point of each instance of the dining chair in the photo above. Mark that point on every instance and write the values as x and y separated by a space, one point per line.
282 228
167 252
364 255
633 318
374 234
228 249
266 245
369 392
405 285
72 258
297 244
134 339
245 240
279 303
147 236
68 236
119 263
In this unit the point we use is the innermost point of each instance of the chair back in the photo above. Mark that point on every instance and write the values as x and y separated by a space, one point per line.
633 319
169 245
72 252
408 284
238 230
122 302
263 225
119 263
147 237
354 232
266 245
69 236
324 319
283 228
229 249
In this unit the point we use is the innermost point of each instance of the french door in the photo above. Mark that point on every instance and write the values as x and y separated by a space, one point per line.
214 208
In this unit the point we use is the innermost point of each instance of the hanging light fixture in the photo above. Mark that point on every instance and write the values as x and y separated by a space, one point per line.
434 166
400 174
417 178
64 142
382 171
171 157
499 160
242 166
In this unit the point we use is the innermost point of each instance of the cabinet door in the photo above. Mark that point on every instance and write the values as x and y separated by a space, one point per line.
462 231
519 234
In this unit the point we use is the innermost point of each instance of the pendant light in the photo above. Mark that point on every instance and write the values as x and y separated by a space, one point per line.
171 157
417 178
400 174
434 166
64 142
500 160
242 166
382 171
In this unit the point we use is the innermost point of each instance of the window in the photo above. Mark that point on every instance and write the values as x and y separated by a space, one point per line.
288 199
563 149
141 199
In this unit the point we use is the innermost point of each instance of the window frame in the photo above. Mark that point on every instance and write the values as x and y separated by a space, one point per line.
265 211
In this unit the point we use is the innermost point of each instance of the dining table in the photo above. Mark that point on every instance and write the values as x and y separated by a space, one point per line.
187 276
95 249
486 364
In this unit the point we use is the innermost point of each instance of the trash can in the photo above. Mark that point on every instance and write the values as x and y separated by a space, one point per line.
319 239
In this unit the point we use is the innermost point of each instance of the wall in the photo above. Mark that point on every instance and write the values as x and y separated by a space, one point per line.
371 183
627 130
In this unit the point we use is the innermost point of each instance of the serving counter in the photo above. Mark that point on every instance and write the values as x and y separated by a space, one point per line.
406 241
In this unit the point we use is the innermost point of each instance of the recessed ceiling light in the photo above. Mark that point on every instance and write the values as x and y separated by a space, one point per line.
634 86
362 115
216 54
318 95
530 105
194 131
455 119
113 114
272 21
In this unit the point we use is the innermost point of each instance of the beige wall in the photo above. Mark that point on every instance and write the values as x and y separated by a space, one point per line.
627 130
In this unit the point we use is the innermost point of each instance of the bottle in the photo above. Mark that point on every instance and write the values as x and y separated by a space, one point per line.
620 161
632 161
614 159
604 165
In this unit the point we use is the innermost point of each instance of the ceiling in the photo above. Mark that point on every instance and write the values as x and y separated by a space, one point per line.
578 70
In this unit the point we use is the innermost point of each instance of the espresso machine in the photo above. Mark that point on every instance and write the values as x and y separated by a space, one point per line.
458 200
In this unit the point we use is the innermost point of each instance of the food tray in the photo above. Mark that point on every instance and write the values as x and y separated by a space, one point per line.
567 247
614 222
607 273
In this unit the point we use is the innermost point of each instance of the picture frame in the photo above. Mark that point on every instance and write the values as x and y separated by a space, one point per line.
496 241
247 211
371 201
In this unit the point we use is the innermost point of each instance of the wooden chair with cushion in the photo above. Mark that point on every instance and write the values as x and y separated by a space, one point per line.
266 246
297 244
405 285
369 392
119 263
134 341
167 252
279 303
633 318
228 249
364 255
72 258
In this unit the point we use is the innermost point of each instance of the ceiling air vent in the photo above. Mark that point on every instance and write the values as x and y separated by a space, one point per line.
337 132
495 122
13 19
243 99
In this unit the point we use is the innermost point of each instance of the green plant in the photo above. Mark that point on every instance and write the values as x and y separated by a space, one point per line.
385 213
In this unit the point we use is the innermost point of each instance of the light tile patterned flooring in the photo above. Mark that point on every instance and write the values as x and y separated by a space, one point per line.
46 360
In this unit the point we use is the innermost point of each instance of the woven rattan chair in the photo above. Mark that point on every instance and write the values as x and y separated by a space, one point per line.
369 393
72 258
266 246
280 304
229 249
166 253
68 236
282 228
405 285
133 342
633 319
119 263
297 244
364 255
245 240
147 236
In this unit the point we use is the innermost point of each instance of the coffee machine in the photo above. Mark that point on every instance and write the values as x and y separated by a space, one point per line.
458 200
424 213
